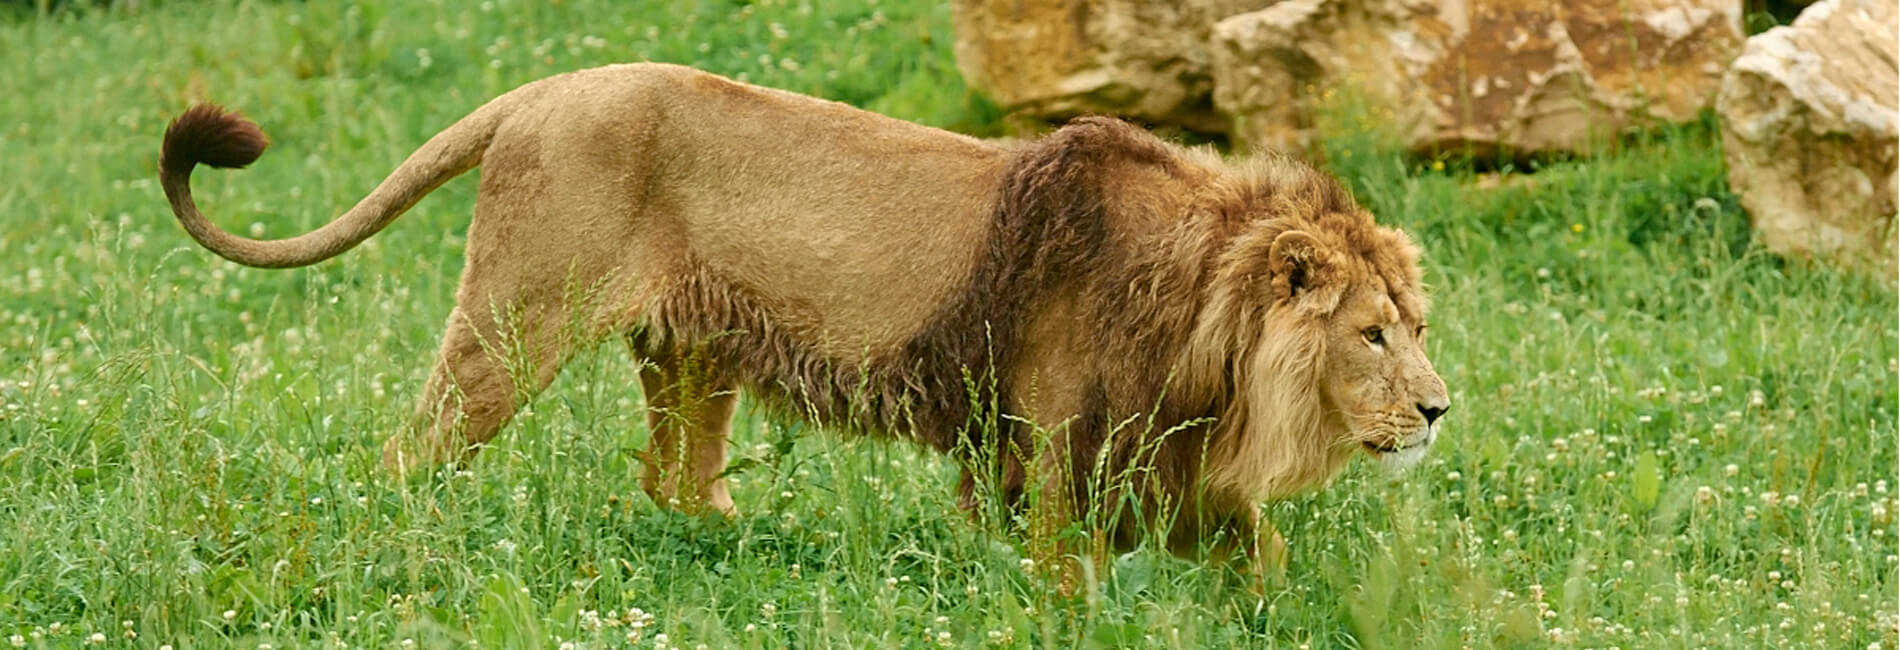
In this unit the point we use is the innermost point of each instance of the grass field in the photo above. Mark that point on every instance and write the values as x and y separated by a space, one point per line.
1664 437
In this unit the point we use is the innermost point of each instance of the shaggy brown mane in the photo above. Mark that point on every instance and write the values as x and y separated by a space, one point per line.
1051 230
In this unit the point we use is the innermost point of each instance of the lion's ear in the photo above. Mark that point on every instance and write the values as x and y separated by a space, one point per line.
1298 263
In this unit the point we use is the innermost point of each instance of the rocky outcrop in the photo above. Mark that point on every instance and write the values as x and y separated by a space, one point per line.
1808 128
1054 59
1519 76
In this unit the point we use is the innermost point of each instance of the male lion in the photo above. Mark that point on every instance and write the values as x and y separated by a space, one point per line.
1189 337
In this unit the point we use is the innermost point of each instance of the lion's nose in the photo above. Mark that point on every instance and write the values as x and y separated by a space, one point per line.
1431 413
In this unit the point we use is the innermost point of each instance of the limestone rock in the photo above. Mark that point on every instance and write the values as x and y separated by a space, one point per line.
1523 76
1809 128
1054 59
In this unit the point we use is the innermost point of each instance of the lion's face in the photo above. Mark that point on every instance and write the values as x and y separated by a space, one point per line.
1377 377
1353 291
1317 325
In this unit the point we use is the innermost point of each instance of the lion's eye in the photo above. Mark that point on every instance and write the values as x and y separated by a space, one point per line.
1375 335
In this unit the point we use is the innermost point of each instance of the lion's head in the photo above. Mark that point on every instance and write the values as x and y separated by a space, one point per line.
1316 327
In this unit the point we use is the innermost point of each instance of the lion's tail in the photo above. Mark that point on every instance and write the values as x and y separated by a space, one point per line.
207 134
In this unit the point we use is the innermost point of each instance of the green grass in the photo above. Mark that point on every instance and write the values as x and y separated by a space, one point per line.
1663 436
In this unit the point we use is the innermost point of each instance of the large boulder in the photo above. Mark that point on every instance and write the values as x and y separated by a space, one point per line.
1055 59
1517 76
1808 128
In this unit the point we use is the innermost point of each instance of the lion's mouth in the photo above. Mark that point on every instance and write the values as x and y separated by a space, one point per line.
1395 446
1389 447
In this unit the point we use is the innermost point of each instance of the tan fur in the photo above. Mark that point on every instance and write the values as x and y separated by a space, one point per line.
1180 330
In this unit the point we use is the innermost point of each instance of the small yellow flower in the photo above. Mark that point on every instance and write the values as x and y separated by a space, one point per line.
1576 227
1438 165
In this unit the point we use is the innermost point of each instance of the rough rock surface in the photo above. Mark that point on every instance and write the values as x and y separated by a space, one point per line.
1524 76
1054 59
1808 128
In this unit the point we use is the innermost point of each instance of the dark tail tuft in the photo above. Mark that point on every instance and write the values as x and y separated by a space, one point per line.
208 134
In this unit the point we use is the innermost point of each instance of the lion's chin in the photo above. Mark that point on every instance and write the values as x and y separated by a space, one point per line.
1396 457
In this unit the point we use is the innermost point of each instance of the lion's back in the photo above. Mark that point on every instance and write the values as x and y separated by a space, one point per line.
858 228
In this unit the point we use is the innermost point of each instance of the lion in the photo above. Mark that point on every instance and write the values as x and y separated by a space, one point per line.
1096 322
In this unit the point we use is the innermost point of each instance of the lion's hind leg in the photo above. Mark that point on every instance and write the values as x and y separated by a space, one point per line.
552 256
490 363
689 416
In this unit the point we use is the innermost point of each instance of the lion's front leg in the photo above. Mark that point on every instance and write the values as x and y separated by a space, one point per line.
1253 539
1269 552
1064 543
